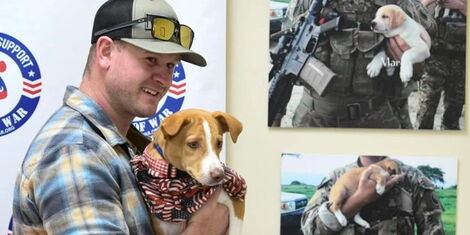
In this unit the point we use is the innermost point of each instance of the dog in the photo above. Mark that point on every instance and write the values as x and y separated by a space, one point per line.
348 183
391 20
188 143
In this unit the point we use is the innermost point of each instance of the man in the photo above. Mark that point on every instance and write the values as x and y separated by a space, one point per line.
76 176
352 98
445 69
410 200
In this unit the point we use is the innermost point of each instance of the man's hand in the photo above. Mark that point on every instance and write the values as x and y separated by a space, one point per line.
211 218
366 192
396 46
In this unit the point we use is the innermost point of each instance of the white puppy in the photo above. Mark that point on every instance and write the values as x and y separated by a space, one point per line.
391 20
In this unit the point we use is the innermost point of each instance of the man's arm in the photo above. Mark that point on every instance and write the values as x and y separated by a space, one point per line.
211 218
366 193
75 191
427 207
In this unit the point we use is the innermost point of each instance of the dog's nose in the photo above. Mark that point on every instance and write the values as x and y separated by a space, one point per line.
217 174
372 24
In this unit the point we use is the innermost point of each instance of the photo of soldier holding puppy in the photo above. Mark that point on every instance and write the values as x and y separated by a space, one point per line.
348 197
413 202
330 67
445 70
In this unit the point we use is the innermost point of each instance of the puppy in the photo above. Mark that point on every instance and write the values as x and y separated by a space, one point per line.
347 184
391 20
182 169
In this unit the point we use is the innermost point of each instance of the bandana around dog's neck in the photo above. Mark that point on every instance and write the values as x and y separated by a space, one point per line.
172 195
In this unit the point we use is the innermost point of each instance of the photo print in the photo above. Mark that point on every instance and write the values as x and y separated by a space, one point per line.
339 63
322 193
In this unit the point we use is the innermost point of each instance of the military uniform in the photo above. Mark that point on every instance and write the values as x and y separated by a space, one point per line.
411 202
352 98
444 71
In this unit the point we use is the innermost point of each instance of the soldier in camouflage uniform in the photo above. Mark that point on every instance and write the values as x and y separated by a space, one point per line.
352 98
410 202
445 70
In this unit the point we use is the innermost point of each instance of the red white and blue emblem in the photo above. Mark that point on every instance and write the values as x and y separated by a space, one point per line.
173 101
20 84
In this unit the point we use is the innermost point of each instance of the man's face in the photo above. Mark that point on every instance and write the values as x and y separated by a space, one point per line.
138 80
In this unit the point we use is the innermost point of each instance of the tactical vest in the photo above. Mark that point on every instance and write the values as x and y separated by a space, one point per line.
348 51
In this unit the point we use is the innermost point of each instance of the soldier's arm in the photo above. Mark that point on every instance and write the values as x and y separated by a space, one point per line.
428 209
416 10
317 218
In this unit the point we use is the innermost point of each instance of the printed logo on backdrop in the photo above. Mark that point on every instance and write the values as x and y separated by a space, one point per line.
173 101
20 84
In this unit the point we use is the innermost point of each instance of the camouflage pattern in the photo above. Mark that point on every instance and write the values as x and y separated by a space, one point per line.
295 9
444 72
411 202
347 53
447 75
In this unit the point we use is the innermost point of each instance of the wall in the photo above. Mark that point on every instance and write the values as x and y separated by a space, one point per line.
257 154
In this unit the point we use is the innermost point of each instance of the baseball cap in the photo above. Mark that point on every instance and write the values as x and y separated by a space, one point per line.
116 12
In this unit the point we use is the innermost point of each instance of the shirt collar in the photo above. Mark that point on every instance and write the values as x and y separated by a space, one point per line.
90 110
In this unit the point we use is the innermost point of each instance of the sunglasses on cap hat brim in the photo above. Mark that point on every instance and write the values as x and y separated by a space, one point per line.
163 28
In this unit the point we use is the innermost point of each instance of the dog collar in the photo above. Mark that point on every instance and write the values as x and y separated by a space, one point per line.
157 168
159 149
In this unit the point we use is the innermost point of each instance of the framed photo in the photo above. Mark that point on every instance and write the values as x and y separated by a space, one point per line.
427 189
329 69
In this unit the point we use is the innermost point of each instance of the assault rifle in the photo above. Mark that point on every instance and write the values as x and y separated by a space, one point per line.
291 54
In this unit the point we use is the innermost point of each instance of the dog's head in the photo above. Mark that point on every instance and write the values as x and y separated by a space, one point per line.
191 141
387 18
390 165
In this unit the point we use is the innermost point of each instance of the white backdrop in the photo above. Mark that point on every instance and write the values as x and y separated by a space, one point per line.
57 34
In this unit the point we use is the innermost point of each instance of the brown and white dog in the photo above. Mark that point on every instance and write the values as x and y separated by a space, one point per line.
348 183
191 141
391 20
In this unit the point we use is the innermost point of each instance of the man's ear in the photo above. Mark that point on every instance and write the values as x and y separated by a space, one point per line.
229 123
104 48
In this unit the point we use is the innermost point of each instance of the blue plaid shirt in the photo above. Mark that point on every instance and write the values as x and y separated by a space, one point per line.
76 179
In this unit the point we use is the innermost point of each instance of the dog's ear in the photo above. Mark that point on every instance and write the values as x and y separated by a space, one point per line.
172 125
229 123
398 17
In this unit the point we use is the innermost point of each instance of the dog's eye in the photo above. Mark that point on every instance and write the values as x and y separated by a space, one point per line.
384 16
219 144
193 145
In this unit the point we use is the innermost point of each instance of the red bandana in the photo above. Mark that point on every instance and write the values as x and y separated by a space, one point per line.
172 195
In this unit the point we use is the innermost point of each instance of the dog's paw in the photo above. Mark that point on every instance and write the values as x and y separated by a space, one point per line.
341 218
406 72
359 220
380 189
374 67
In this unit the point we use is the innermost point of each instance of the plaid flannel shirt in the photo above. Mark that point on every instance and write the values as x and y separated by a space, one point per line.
75 181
